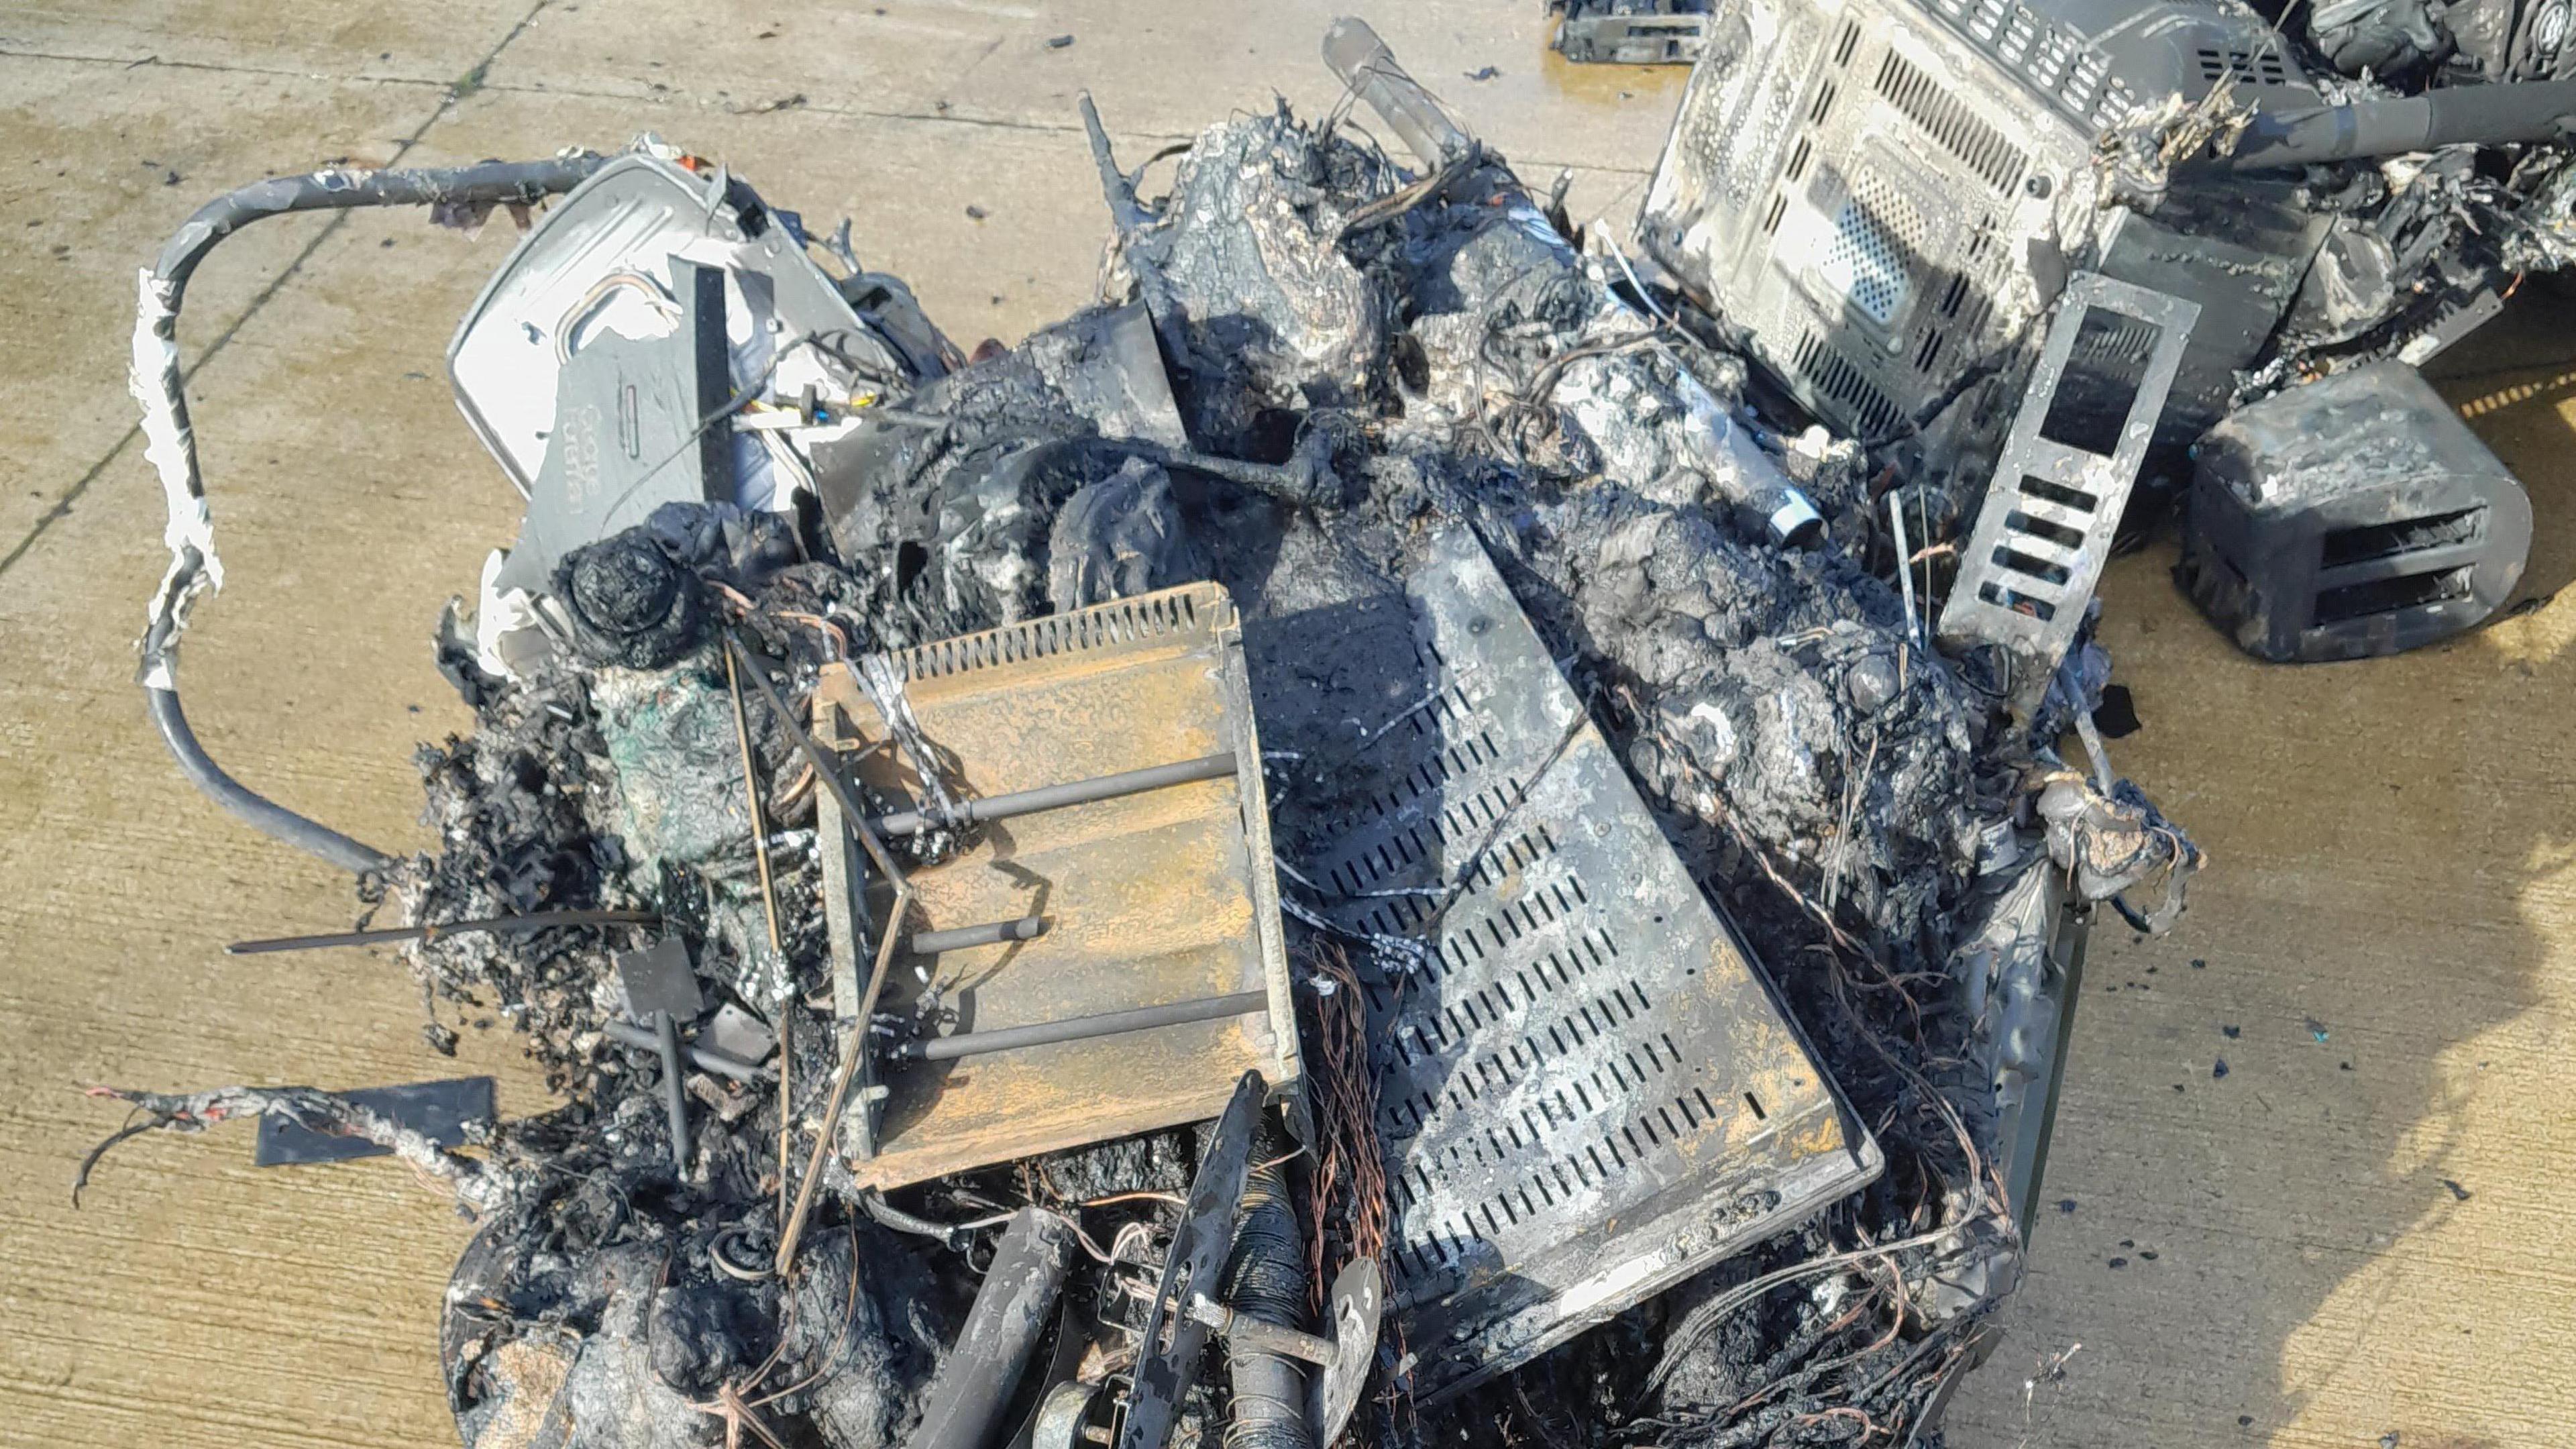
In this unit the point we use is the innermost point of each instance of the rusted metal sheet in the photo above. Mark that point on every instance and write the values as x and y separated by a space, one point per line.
1152 898
1586 1090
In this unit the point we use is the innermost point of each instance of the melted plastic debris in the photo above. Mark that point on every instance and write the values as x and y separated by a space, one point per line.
1355 357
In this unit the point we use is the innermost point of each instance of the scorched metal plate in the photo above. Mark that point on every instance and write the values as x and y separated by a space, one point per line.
1587 1092
1150 899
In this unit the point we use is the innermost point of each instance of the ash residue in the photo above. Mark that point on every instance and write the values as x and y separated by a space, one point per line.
1268 315
629 1322
514 806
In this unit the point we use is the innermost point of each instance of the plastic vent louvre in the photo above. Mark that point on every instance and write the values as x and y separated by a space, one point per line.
1946 120
2349 603
2264 68
2394 540
1585 1091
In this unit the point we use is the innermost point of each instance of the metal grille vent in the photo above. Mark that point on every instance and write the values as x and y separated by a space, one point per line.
1865 260
2084 81
2116 104
1964 303
1585 1091
1943 117
2047 67
2065 473
1837 378
1125 621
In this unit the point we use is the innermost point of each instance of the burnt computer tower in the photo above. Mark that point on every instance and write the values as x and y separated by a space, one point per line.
1882 194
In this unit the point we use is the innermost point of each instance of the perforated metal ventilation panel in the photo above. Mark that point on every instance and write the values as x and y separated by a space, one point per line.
1586 1091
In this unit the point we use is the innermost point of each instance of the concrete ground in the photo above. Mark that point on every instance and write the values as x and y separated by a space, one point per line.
2357 1232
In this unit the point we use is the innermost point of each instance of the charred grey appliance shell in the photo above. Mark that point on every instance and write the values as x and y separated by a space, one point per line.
2351 517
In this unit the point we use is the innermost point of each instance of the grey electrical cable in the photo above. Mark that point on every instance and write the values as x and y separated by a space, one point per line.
159 388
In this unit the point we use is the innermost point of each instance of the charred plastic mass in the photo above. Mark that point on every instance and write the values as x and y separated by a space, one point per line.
1344 842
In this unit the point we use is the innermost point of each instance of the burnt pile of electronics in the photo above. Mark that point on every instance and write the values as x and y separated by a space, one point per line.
1351 842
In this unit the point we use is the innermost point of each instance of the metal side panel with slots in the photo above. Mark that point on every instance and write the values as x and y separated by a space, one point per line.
1150 899
2045 529
1586 1090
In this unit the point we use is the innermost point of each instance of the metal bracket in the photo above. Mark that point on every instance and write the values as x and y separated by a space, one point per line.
2057 494
1358 1300
1174 1337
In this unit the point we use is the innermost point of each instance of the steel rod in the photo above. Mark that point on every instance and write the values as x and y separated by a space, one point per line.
991 933
1081 1028
1252 1332
627 1033
675 1100
1077 792
498 925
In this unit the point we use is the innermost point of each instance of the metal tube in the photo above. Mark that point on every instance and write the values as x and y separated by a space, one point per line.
675 1101
965 1403
1080 1028
497 925
991 933
1260 1334
1057 797
628 1033
2475 115
1365 65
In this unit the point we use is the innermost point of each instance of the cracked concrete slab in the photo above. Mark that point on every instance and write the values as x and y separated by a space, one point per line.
157 1313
